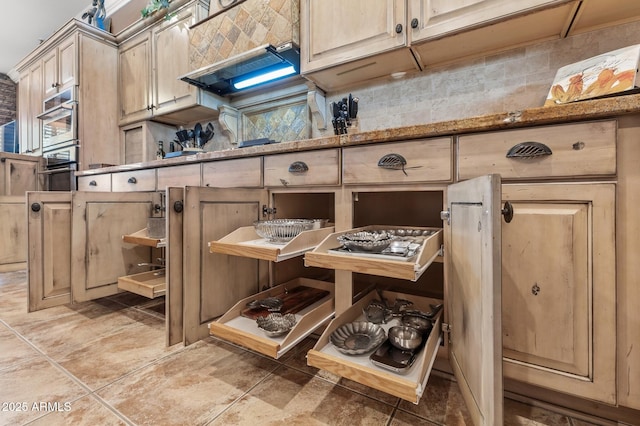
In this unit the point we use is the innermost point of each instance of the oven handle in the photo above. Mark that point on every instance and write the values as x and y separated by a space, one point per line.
54 112
54 171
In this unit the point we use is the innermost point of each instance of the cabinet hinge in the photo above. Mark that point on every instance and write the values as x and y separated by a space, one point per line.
446 215
446 328
266 211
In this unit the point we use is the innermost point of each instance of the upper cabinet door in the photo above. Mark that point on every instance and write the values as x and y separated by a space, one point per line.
472 242
171 60
59 67
338 31
134 78
432 18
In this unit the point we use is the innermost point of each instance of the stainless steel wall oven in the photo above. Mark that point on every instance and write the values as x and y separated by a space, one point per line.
60 139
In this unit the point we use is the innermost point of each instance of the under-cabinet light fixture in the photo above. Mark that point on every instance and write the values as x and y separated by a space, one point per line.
263 78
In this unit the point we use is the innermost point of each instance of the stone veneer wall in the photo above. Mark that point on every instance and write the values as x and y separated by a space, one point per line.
509 81
8 97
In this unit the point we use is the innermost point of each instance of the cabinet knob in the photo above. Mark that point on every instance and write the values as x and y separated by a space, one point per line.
178 207
35 207
414 23
298 167
507 212
132 180
398 28
527 150
93 183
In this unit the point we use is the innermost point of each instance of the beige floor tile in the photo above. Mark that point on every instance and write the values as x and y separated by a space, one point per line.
295 398
34 382
441 403
104 360
90 323
402 418
13 350
189 387
86 411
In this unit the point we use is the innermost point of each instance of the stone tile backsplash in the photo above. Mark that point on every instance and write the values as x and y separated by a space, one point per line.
508 81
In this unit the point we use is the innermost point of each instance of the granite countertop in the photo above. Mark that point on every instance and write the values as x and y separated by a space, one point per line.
585 110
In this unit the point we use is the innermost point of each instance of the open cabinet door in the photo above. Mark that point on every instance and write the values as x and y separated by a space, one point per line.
214 282
49 249
174 299
98 254
473 295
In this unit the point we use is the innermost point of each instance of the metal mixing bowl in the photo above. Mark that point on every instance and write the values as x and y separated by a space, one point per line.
405 338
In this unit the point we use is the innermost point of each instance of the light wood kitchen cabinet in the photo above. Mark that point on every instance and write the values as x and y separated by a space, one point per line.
320 167
149 66
100 183
595 14
140 140
13 233
558 253
241 172
347 43
427 160
49 249
30 93
215 214
472 267
19 174
59 67
184 175
76 252
79 55
442 31
134 181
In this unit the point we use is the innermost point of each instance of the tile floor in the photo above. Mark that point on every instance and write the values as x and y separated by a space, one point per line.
105 363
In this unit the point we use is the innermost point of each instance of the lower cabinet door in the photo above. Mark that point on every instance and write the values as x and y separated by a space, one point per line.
13 233
49 249
99 254
559 288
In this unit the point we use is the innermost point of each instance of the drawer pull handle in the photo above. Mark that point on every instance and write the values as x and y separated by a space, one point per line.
93 183
529 150
578 146
395 162
132 180
298 167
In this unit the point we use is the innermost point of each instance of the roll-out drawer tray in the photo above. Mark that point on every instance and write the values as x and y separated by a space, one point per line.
243 331
149 284
326 255
409 385
245 242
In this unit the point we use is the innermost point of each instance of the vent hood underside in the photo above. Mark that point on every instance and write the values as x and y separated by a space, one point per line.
220 78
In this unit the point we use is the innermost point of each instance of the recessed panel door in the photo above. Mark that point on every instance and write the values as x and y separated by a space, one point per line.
473 295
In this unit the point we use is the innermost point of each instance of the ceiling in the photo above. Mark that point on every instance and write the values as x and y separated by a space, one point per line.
27 22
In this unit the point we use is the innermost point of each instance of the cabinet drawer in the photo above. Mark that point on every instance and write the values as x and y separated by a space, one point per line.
139 180
97 183
188 175
583 149
242 172
303 168
404 162
408 386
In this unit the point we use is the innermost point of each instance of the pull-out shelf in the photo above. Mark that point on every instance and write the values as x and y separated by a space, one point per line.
149 284
409 385
328 255
246 242
244 331
142 238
